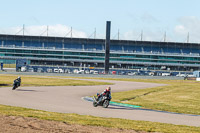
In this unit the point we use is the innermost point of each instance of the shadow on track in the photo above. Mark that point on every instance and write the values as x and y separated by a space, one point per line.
124 108
28 90
5 84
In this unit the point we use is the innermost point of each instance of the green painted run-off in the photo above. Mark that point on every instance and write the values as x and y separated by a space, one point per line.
123 104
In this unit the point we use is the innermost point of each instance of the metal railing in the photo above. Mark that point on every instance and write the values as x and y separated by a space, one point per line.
97 50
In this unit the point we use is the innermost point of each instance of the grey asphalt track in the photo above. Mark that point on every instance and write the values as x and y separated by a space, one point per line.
69 99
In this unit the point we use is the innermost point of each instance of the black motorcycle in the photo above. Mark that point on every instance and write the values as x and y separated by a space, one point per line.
16 84
105 101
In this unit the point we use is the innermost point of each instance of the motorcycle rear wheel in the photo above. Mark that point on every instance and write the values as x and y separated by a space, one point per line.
95 104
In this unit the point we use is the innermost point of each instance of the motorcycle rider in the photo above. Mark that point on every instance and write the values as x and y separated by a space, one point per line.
106 93
18 80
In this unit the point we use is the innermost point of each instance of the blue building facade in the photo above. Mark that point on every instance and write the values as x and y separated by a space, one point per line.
124 54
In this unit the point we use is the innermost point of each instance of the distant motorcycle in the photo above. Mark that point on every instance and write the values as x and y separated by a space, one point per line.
104 102
16 84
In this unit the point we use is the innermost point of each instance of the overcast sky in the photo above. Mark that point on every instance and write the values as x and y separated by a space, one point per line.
154 17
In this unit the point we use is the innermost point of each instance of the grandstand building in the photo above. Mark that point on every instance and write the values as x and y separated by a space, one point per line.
76 52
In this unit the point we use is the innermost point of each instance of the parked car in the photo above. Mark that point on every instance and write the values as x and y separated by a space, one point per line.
166 74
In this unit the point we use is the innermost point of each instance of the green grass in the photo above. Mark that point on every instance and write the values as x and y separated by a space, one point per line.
177 96
180 96
97 121
9 65
7 80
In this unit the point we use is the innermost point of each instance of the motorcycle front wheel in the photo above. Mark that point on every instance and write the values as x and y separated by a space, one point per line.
13 88
106 103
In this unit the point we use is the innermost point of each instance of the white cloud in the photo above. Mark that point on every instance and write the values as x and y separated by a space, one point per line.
178 33
180 29
189 25
147 35
41 30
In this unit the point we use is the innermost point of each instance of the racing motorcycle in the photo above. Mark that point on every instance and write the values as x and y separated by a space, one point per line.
15 84
105 101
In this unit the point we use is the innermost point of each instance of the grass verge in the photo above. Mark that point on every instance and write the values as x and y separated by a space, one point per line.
7 80
177 96
9 65
97 121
